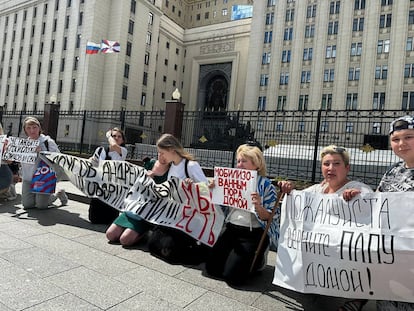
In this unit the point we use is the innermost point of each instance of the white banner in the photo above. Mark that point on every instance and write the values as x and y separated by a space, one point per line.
19 149
127 187
233 187
358 249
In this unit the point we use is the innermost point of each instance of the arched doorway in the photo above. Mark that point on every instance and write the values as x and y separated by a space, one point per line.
216 96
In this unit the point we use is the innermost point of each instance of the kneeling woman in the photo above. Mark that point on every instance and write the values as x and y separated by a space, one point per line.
233 253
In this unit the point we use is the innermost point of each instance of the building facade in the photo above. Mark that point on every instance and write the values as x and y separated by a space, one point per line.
290 55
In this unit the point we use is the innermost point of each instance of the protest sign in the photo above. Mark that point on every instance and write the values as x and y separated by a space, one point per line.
363 248
126 187
20 150
233 187
44 179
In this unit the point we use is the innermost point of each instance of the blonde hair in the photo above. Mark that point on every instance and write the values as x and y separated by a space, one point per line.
1 129
255 155
169 142
332 149
31 121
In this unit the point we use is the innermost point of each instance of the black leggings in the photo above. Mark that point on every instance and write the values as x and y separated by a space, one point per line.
233 253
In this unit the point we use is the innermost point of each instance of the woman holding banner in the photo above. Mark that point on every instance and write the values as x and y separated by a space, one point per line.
41 199
5 174
399 177
232 255
335 169
100 212
171 244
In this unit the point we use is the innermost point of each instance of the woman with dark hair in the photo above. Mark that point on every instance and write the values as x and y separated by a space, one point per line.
100 212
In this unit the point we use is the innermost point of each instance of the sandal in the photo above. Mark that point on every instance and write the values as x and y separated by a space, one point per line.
353 305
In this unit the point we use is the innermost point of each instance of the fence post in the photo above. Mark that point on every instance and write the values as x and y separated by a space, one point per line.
122 116
51 119
83 132
173 122
315 150
1 115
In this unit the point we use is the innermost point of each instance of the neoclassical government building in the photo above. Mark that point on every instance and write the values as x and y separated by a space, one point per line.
221 55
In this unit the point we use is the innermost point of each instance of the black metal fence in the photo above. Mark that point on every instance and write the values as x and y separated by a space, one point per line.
291 139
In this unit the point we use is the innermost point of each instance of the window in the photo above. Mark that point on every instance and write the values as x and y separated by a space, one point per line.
73 87
353 74
359 5
329 75
266 57
409 71
124 92
284 78
333 28
80 20
133 6
131 27
270 18
76 63
126 71
78 41
381 72
65 43
290 14
224 12
378 102
198 17
311 11
60 86
206 15
386 2
303 103
409 46
143 98
128 49
62 65
286 56
271 2
167 45
288 34
383 46
67 22
261 103
146 58
145 78
411 17
356 49
309 31
177 51
305 76
148 38
166 62
268 37
334 7
326 103
358 24
407 101
281 103
264 79
349 127
150 18
307 53
330 51
385 21
352 101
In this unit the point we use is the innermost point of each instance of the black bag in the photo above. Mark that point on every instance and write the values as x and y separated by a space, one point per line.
174 246
101 213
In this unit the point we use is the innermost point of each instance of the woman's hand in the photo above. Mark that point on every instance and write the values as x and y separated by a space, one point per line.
285 186
263 213
349 194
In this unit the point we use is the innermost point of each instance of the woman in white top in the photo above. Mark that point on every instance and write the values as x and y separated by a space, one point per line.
172 244
100 212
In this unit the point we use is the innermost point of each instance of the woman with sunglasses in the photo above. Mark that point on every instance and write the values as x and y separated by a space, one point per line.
100 212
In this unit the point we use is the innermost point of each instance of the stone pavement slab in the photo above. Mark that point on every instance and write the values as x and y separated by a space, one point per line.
56 260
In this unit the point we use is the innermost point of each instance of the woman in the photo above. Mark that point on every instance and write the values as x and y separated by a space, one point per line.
171 244
33 130
232 255
5 174
335 169
128 228
100 212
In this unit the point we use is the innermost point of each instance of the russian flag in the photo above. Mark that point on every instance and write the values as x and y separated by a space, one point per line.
92 48
110 46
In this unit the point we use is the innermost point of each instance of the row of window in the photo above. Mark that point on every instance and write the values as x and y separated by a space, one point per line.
378 102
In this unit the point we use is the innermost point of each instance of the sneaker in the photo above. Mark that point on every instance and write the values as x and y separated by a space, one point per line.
62 196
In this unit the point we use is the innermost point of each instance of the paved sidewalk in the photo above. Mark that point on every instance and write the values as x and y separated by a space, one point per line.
56 260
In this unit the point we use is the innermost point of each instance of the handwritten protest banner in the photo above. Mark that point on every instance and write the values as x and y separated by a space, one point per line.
126 187
233 187
20 149
358 249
